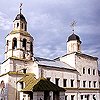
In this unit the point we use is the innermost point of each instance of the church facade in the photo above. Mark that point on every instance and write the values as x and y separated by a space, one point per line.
74 76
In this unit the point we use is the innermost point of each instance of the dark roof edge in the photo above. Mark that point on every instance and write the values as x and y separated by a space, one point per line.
85 55
13 73
80 54
56 67
41 59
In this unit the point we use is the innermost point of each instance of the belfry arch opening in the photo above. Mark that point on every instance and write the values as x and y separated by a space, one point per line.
17 25
31 48
25 27
24 43
14 44
22 25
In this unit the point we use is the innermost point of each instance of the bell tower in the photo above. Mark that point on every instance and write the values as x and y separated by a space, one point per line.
19 43
73 43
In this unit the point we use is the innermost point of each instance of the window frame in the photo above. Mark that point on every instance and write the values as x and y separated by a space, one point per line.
72 97
83 70
31 48
24 43
48 78
66 97
57 81
17 25
89 72
94 72
72 82
81 97
84 83
22 25
64 82
22 85
14 43
94 84
89 83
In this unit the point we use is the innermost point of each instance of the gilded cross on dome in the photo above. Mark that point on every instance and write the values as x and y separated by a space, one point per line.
21 7
73 24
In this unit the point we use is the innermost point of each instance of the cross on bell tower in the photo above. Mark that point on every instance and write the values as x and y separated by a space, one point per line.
73 43
73 24
20 22
21 7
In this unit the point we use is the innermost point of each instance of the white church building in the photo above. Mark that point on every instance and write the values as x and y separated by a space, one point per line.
73 76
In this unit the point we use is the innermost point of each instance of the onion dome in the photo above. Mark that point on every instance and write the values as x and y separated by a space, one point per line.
74 37
20 17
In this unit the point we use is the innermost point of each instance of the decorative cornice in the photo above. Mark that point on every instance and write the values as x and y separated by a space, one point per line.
81 88
24 33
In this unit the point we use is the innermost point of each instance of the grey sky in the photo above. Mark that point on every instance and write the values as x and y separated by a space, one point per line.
49 24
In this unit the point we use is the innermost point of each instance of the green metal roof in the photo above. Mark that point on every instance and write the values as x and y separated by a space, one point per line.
12 73
41 84
16 73
46 85
21 32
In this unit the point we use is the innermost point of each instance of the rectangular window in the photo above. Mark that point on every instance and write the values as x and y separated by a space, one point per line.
17 25
99 84
65 97
93 71
89 71
94 97
83 70
25 28
48 78
84 83
87 97
72 83
64 82
57 81
24 70
89 83
78 83
22 25
94 83
72 97
22 85
81 97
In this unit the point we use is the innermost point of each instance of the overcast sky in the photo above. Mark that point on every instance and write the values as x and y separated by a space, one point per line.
49 24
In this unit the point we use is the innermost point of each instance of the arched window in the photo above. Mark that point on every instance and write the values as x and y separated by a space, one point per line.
31 48
22 25
89 71
7 44
93 71
14 45
17 25
24 43
78 47
83 70
23 55
25 27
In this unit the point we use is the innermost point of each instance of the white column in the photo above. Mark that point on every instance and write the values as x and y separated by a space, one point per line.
51 95
27 97
91 97
21 95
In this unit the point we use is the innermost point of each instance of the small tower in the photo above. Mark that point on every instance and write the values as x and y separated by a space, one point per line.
19 43
20 22
73 43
